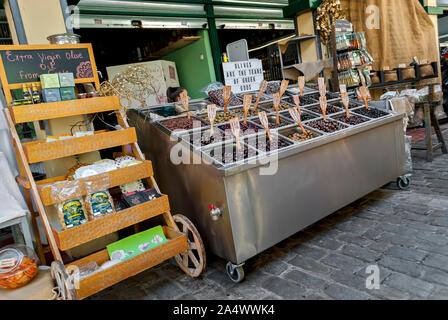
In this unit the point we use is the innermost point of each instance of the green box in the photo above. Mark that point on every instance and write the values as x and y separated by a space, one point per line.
136 244
49 81
66 80
67 93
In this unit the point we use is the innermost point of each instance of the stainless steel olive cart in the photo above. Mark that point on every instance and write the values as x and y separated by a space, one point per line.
240 212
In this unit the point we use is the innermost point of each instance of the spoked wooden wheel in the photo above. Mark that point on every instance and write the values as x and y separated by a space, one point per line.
192 261
63 281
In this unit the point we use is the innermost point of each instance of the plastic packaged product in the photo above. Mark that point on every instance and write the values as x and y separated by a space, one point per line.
88 269
98 204
18 266
71 213
126 161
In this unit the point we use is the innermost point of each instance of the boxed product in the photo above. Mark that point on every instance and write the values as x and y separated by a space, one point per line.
66 80
138 243
49 81
51 95
67 93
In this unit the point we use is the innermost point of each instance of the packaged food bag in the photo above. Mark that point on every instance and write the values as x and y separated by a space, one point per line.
71 213
99 204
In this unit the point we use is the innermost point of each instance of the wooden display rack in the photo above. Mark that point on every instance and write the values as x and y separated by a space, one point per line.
184 245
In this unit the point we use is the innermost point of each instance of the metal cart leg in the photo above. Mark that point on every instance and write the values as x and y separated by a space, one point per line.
235 272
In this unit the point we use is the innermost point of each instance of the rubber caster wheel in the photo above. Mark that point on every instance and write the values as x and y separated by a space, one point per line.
403 183
235 273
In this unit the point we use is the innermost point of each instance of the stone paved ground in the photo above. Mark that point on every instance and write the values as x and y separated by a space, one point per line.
404 233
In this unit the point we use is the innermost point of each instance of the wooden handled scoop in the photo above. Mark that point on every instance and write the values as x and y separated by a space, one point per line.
276 101
283 87
294 112
346 101
363 93
323 106
263 87
211 112
184 99
226 92
247 101
301 82
235 126
297 102
264 122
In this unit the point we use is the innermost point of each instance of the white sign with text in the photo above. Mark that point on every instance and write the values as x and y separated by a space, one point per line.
243 75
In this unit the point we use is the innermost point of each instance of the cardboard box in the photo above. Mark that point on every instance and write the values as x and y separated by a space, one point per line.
51 95
49 81
66 80
137 243
163 75
67 93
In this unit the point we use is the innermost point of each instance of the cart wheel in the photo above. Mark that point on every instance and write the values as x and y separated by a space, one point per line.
235 273
403 183
192 261
63 281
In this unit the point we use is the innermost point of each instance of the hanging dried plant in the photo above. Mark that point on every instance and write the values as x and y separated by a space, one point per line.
323 23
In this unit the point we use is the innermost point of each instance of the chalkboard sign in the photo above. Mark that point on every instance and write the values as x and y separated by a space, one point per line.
27 65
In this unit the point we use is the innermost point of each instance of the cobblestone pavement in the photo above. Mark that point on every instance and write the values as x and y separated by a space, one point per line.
404 233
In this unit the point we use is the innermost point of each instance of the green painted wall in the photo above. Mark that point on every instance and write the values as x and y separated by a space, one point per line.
194 73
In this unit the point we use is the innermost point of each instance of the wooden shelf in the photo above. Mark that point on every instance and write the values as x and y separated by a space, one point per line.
53 192
177 243
61 109
110 223
38 151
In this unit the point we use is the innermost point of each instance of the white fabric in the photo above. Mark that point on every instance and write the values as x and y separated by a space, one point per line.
12 204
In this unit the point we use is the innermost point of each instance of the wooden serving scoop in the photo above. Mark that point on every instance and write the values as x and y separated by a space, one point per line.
297 102
301 81
322 86
276 101
283 87
363 93
346 101
184 99
226 92
235 126
211 112
264 122
323 106
263 87
247 101
294 112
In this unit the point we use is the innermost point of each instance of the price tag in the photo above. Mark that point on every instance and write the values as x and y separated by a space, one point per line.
323 91
402 66
211 112
294 112
416 59
263 87
8 263
363 93
343 88
323 106
276 101
424 61
346 101
301 81
386 68
283 87
247 100
235 126
184 99
297 102
264 122
226 92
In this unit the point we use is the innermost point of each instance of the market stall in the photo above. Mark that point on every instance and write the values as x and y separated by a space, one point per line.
245 202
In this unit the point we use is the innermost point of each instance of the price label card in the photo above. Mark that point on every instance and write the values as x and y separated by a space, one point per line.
184 99
276 101
226 92
264 122
424 61
297 102
402 66
343 88
346 101
416 59
247 100
211 112
235 127
283 87
301 82
263 87
323 106
294 112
